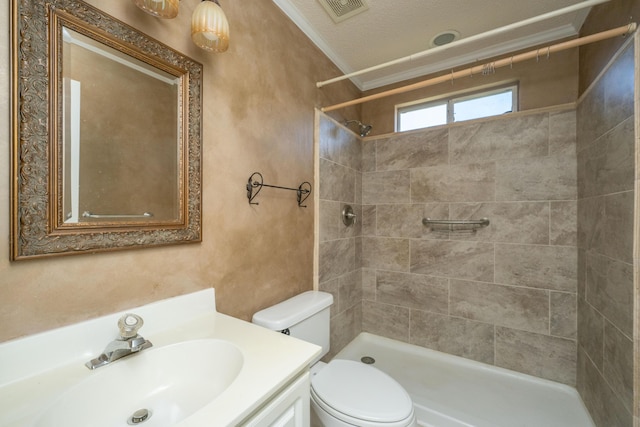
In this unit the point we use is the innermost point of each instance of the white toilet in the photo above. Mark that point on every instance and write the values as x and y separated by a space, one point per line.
343 392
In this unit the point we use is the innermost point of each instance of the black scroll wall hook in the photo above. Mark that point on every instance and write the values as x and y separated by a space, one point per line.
256 182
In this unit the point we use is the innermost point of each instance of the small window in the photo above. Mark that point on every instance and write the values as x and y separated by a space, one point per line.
424 115
457 108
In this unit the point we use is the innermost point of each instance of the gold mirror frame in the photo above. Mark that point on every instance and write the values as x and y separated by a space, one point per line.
35 134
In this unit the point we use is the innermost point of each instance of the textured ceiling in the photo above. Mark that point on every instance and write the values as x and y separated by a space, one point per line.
392 29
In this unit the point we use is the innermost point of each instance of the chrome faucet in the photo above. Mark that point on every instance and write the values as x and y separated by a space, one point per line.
128 343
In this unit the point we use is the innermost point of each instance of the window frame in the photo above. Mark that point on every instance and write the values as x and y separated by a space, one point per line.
451 99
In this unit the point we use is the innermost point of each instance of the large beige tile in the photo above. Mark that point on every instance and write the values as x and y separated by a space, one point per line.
387 320
386 187
359 254
385 253
453 335
456 183
591 332
619 89
618 236
413 290
453 259
562 132
607 165
563 314
538 178
519 308
344 328
368 284
591 223
413 150
369 220
369 156
328 217
545 267
350 290
609 289
591 122
540 355
605 408
618 364
336 257
337 182
339 145
563 223
505 138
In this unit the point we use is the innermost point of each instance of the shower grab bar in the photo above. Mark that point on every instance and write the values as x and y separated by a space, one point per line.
474 223
87 214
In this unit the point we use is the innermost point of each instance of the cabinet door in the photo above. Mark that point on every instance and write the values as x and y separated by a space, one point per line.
287 409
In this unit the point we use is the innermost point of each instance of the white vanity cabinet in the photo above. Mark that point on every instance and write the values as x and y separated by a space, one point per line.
289 408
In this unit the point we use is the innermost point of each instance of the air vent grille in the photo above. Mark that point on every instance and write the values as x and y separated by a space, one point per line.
339 10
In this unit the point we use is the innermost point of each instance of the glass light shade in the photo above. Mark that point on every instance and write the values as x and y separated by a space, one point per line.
159 8
209 27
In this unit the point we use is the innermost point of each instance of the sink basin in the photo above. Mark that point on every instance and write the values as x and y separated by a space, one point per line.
170 382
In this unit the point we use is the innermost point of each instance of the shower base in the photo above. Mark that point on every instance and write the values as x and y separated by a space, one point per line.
450 391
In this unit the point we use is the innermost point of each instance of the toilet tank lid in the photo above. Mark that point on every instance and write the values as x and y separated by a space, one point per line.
292 311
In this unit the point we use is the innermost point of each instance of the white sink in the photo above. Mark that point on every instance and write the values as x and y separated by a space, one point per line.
206 369
171 382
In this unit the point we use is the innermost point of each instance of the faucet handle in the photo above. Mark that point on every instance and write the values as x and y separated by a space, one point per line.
129 325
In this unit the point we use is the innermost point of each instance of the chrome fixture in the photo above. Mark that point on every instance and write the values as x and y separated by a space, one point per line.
348 216
140 416
364 129
462 224
128 343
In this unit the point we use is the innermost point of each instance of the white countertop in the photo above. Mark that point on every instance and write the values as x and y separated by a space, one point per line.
36 370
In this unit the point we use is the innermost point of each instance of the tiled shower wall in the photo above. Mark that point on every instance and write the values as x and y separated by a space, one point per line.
605 146
340 247
505 295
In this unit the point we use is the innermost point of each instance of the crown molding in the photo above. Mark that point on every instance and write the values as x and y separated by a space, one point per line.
294 14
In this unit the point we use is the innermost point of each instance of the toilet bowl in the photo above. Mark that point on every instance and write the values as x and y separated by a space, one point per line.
344 393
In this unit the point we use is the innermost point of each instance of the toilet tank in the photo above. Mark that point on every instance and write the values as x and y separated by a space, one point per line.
305 316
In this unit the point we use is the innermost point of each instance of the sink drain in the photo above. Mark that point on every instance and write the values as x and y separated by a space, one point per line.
138 417
368 360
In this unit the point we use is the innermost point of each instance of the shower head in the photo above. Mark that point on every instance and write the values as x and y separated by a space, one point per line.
364 129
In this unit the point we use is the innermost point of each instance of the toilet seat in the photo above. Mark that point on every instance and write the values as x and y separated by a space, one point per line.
361 395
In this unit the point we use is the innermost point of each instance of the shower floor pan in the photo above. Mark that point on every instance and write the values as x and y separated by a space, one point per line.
450 391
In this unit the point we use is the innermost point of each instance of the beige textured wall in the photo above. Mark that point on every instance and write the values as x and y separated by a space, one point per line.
606 177
543 84
259 100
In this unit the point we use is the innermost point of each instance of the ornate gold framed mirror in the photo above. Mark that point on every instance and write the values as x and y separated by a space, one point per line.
106 150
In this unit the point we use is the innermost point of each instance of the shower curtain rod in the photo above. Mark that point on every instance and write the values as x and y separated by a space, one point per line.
535 19
491 66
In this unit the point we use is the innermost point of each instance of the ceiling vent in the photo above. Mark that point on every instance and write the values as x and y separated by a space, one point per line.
339 10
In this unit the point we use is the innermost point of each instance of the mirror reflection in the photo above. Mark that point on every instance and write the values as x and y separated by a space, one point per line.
107 135
121 127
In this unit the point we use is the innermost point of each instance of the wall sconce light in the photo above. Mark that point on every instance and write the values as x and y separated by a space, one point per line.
159 8
209 25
